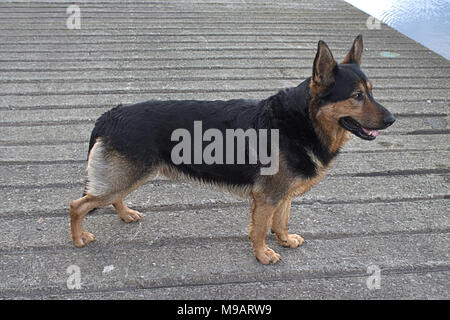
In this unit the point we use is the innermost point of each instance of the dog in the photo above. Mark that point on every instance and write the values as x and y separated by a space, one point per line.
131 144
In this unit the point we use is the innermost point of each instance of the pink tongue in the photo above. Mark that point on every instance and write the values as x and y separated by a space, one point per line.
372 133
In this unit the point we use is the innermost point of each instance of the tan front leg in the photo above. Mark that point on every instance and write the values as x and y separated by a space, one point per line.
261 214
279 225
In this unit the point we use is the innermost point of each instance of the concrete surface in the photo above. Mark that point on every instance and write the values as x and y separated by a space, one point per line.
384 204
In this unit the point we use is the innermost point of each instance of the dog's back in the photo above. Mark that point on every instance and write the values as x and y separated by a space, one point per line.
142 132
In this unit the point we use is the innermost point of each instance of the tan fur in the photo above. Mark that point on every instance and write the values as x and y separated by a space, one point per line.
369 86
301 186
280 223
265 211
328 128
260 215
125 213
275 186
111 176
243 191
326 124
78 210
326 118
108 172
356 51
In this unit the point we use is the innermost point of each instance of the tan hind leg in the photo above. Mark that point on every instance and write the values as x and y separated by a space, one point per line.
81 207
110 178
78 210
280 223
260 217
125 213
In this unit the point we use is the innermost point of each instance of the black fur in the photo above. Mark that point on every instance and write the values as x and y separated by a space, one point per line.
314 120
142 131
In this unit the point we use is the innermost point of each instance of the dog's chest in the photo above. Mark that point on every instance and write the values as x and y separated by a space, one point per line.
301 186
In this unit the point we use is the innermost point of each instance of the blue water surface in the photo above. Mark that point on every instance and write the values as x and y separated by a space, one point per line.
425 21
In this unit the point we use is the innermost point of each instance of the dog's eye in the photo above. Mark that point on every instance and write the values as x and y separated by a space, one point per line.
358 95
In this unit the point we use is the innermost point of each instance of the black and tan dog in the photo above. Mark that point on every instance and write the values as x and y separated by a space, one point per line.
131 144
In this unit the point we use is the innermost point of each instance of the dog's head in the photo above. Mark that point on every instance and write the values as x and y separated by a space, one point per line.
343 94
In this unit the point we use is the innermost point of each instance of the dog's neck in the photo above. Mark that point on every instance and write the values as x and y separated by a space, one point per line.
289 111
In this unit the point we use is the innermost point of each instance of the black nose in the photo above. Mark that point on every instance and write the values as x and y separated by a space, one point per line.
388 120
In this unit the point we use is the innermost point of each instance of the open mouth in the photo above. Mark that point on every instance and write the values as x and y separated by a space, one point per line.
354 127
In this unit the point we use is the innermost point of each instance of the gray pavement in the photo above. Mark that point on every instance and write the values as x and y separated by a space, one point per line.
384 204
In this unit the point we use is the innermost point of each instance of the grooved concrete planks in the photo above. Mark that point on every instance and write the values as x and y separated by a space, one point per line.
384 203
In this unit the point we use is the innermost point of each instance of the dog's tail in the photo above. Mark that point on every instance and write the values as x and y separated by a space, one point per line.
94 135
102 126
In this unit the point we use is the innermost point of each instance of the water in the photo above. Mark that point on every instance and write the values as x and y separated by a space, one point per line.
425 21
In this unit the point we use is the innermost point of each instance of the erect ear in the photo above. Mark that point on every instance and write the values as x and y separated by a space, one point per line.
355 53
324 67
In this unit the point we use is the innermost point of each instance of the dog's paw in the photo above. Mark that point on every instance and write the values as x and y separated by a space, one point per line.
130 216
293 241
267 255
83 239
